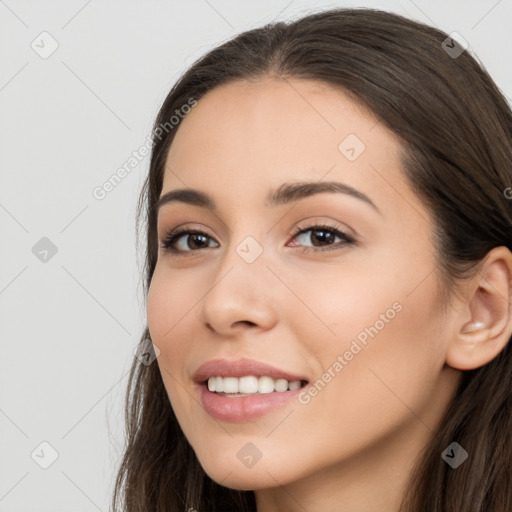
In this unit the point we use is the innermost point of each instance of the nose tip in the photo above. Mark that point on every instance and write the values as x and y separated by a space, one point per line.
239 300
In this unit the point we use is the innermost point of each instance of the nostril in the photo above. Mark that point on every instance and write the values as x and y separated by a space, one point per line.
247 322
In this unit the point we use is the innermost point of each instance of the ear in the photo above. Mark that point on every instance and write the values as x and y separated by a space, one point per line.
484 322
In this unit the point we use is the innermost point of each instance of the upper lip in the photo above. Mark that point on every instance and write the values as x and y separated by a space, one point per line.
241 368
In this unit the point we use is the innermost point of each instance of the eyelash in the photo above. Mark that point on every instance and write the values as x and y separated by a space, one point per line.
171 238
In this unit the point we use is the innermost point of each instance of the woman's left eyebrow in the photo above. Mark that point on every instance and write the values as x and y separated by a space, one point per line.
284 194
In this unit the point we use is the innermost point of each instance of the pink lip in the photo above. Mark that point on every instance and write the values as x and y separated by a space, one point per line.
244 408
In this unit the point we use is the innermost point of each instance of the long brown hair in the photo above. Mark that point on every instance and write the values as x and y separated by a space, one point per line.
456 132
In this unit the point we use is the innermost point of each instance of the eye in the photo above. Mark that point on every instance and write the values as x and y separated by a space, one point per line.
325 236
190 240
183 238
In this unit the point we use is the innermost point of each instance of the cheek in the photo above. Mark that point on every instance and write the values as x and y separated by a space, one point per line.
390 358
380 328
344 304
379 386
167 315
157 303
168 303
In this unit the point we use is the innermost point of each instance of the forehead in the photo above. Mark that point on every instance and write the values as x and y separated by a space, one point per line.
282 114
244 138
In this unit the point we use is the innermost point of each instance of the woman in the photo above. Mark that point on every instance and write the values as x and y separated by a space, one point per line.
328 278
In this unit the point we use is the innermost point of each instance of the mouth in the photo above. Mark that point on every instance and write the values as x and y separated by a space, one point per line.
245 389
248 385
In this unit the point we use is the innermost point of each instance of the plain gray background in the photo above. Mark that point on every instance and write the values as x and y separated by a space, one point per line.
69 321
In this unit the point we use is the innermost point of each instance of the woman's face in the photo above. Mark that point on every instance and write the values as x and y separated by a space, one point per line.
357 318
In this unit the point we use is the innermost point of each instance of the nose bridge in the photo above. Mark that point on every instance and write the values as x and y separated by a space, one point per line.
240 290
244 248
243 264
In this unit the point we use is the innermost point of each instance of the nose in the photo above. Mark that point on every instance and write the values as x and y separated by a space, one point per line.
241 295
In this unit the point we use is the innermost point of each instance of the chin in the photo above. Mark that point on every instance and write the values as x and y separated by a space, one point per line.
243 478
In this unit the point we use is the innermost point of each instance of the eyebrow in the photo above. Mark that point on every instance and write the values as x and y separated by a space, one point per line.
285 193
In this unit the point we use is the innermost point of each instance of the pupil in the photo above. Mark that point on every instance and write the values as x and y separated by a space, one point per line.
194 237
324 235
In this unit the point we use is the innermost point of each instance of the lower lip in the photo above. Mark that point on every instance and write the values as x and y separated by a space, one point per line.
244 408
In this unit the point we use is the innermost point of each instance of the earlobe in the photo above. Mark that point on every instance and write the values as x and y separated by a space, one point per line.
485 320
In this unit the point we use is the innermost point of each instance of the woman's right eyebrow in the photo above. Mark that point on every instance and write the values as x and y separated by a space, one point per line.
284 194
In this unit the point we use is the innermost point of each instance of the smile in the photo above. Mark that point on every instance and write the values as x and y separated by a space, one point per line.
250 384
244 389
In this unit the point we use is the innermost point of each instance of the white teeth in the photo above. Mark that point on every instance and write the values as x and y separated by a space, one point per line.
230 385
281 384
250 384
265 384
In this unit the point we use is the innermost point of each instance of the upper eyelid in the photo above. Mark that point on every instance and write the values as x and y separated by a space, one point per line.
315 225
